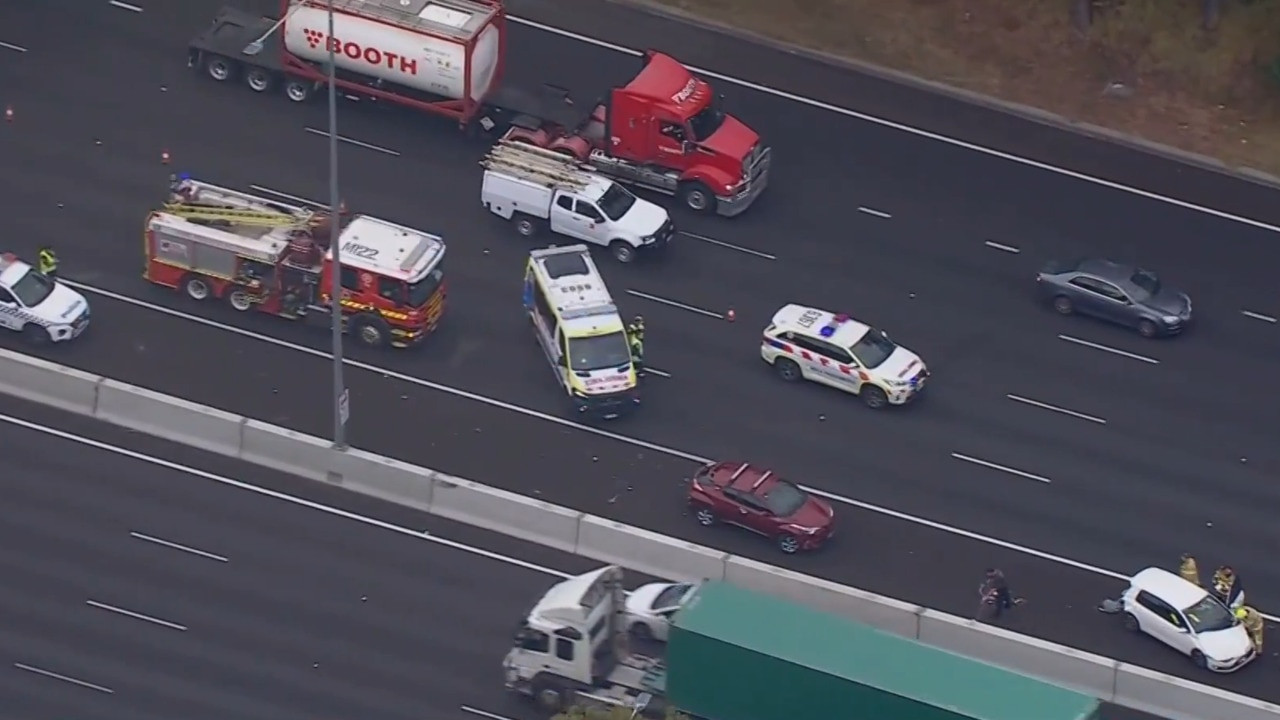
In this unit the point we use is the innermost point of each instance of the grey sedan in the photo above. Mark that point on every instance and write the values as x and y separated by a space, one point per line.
1115 292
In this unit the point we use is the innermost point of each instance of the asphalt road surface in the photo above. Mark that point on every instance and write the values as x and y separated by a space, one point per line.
135 591
1183 461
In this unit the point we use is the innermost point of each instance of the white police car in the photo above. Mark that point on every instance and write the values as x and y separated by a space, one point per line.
836 350
36 306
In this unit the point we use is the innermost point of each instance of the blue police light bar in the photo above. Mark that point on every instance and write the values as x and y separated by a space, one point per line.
184 176
830 328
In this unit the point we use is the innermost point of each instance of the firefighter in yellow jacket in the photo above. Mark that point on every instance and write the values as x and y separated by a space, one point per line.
1189 570
1252 621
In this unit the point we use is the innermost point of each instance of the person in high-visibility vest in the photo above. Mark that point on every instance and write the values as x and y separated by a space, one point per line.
635 338
48 262
1189 570
1252 621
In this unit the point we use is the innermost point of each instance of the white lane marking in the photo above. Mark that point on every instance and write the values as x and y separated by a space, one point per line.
64 678
125 6
489 554
357 143
1001 468
11 46
785 95
1109 349
655 371
136 615
1001 246
295 198
674 304
1258 316
730 246
176 546
1055 408
877 213
483 713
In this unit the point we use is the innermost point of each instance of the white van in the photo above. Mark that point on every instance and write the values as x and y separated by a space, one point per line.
537 189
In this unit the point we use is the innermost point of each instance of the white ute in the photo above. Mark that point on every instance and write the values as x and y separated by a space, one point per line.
37 306
536 189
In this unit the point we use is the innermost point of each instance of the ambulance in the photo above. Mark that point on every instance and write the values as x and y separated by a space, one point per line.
580 331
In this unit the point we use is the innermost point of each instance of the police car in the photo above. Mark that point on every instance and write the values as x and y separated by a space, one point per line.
36 306
804 343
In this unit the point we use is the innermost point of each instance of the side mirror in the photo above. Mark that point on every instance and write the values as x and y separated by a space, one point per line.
562 361
687 146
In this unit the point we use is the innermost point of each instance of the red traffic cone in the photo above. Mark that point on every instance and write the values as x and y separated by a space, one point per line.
8 113
731 315
164 157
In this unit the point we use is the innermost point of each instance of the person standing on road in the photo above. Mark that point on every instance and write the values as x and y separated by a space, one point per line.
994 591
635 339
1227 587
48 263
1253 624
1189 570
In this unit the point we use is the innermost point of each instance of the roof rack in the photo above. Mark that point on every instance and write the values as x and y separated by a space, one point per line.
535 164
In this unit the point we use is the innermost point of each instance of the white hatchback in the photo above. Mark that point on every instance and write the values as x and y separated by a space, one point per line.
1188 619
650 607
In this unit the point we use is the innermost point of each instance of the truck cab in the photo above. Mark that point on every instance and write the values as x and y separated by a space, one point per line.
663 130
572 649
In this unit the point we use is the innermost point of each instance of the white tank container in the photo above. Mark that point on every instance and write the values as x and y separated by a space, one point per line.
421 44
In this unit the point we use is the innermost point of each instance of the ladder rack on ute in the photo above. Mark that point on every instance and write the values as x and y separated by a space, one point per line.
535 164
203 202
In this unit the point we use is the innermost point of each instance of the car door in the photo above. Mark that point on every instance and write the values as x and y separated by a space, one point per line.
833 359
1102 299
1165 623
563 218
809 357
10 311
595 226
748 513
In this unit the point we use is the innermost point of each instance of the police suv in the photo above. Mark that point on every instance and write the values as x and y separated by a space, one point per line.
580 331
804 343
38 307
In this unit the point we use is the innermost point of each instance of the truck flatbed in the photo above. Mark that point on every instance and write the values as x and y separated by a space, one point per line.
233 30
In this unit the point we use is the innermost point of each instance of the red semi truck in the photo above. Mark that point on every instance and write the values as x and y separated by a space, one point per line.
663 130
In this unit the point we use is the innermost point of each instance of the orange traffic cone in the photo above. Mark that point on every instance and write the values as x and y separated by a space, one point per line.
164 157
731 315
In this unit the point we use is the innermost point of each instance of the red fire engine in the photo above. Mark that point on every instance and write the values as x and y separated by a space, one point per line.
211 242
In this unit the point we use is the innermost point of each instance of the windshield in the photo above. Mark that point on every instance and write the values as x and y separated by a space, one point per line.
706 122
783 499
873 349
672 596
1209 615
616 201
421 291
1146 281
599 352
32 288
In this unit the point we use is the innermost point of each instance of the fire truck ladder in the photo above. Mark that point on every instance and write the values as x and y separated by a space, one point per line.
204 202
539 165
259 218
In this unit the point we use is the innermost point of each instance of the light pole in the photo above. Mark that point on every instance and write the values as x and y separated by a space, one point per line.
341 400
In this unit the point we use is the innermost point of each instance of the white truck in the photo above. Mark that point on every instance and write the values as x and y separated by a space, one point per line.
540 189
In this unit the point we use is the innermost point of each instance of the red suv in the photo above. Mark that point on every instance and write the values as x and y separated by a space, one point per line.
760 501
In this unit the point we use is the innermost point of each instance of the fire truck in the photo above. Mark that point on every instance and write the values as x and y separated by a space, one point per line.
254 254
663 130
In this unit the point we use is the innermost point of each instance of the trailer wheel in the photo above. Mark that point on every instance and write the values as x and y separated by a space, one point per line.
258 80
220 68
297 91
196 288
370 331
240 300
697 196
622 251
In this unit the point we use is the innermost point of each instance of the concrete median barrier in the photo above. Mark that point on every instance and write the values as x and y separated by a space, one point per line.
287 451
877 611
648 552
168 417
505 512
48 383
385 478
1179 699
1063 665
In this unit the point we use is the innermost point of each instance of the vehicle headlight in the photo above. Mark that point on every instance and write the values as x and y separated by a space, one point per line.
802 530
897 383
1170 319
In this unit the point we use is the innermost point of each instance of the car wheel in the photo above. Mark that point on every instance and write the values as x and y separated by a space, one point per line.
1131 623
697 197
789 544
641 632
1199 659
197 289
526 226
1063 305
787 370
240 301
705 517
1148 329
873 397
622 252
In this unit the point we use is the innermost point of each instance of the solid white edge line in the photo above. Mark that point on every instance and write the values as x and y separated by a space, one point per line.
730 246
353 141
785 95
1108 349
1258 316
871 211
1055 408
11 46
295 198
499 557
1001 468
135 615
656 371
125 6
176 546
1001 246
675 304
483 713
63 678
